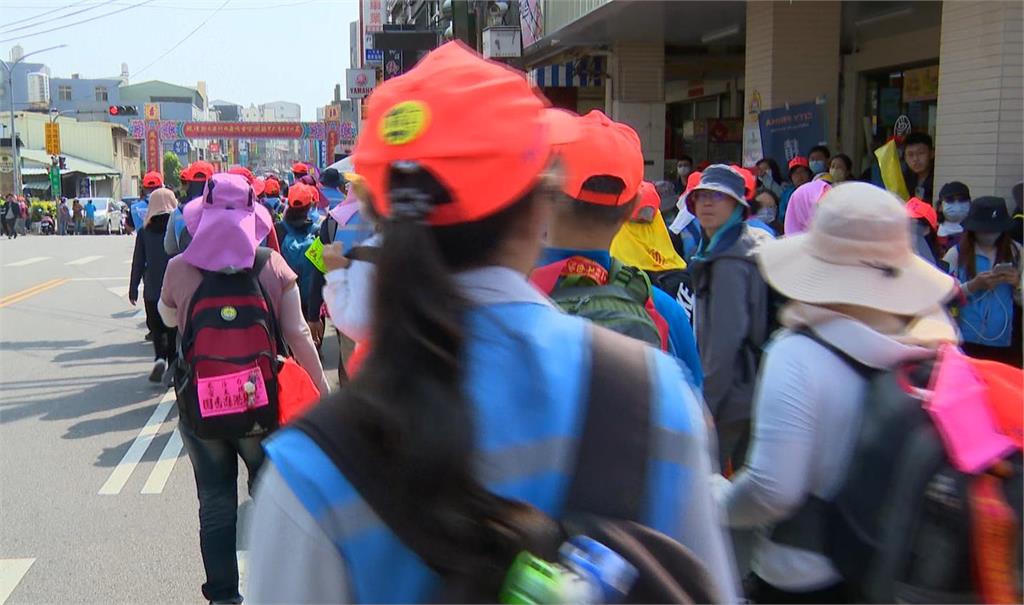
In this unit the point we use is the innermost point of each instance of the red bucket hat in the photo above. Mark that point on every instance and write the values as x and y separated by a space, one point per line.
464 119
605 148
152 180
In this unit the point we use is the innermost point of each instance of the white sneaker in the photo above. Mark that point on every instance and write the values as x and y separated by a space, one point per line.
159 367
168 378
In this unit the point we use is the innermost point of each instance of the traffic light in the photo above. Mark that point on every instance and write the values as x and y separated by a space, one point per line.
123 110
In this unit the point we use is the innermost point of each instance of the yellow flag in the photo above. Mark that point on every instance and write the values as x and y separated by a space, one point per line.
889 167
646 246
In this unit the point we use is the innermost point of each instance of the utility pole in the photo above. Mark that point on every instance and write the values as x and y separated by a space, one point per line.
9 68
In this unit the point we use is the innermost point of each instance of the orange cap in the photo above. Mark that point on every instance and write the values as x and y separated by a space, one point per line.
475 125
152 180
693 181
300 168
272 187
301 195
920 209
259 185
243 172
799 161
649 204
749 181
198 172
605 148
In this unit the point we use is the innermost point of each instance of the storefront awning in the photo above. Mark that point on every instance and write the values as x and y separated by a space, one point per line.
72 164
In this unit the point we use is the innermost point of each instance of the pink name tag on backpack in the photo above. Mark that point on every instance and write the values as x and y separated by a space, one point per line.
227 393
959 408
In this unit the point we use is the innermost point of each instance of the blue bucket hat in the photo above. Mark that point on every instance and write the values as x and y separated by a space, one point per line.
721 178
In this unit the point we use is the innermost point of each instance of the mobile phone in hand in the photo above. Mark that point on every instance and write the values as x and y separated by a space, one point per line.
1004 268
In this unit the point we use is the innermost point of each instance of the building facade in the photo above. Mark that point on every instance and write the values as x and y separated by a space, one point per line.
695 78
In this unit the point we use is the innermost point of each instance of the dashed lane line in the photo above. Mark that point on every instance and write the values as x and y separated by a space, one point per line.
11 573
162 471
28 261
124 469
84 260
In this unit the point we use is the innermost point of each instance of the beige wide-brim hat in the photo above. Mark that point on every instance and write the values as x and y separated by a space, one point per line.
857 252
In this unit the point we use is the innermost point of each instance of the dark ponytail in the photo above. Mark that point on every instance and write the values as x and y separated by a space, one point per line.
408 405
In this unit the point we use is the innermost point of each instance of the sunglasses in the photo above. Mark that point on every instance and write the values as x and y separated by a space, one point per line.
704 195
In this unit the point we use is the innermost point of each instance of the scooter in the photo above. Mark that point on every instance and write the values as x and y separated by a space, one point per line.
47 225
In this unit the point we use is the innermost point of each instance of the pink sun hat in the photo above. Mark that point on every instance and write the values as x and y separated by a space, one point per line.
227 225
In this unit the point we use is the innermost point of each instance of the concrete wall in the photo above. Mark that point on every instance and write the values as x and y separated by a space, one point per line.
83 94
637 97
980 122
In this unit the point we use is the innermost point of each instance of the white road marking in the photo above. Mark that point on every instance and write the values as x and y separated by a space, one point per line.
119 291
123 470
83 260
11 573
127 262
162 471
28 261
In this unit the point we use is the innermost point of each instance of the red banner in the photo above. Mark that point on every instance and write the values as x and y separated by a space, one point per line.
244 130
153 149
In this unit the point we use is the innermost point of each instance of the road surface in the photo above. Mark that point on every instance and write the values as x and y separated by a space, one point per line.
97 499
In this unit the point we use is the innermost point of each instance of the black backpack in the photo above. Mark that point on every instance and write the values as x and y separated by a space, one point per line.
606 495
900 527
226 375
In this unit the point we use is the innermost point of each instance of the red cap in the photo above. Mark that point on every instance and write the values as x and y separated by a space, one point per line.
301 196
198 172
272 187
300 168
465 120
259 186
749 181
152 180
649 204
799 161
605 148
920 209
692 181
243 172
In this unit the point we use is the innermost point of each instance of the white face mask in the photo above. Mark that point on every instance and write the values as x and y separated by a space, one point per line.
683 170
767 215
987 239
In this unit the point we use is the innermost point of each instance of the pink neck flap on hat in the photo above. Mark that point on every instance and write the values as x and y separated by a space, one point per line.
227 225
802 205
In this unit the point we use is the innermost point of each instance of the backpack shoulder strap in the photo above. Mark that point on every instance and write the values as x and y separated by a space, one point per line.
610 477
632 279
263 255
862 369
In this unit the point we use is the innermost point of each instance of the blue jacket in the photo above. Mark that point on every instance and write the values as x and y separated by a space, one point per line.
987 318
682 343
526 371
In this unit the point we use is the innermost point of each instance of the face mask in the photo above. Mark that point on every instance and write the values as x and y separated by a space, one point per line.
683 170
838 174
767 179
987 239
767 215
955 212
818 166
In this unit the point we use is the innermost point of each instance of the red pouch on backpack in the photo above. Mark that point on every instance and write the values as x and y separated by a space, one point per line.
296 392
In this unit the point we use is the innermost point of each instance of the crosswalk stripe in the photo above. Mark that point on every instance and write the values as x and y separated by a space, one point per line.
11 573
83 260
119 291
162 471
123 470
28 261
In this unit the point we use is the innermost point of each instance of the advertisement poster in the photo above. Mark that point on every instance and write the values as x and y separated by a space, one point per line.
789 132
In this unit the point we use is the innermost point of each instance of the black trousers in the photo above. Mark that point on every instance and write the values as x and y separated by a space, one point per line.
164 338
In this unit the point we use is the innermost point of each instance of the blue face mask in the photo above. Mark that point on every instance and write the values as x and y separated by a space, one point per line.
818 166
766 215
955 212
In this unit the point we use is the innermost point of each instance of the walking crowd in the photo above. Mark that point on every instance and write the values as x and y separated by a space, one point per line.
561 383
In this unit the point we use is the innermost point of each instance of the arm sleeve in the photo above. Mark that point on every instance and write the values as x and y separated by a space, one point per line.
138 264
680 333
313 570
170 242
296 334
348 293
774 480
702 527
168 314
728 323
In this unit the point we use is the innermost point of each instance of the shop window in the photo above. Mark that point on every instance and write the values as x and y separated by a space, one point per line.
101 93
63 92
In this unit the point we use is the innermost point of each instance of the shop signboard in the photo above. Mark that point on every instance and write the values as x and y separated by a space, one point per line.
787 132
921 84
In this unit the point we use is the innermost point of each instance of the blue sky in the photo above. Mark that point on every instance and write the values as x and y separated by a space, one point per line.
250 51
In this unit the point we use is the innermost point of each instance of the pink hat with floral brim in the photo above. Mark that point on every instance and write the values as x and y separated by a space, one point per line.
227 225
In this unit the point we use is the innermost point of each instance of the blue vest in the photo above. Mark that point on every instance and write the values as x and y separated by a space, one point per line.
138 211
987 319
527 373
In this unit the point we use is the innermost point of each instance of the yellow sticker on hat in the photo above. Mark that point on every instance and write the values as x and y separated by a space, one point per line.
405 122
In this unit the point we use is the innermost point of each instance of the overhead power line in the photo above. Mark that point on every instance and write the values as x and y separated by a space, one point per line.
43 14
182 41
82 22
57 18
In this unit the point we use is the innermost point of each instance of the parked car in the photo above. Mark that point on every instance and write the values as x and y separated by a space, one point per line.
108 214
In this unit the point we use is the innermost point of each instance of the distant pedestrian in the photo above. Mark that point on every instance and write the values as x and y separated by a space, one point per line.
90 217
77 217
10 215
63 216
149 264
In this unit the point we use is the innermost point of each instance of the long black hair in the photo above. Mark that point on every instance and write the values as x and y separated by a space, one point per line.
407 403
773 167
